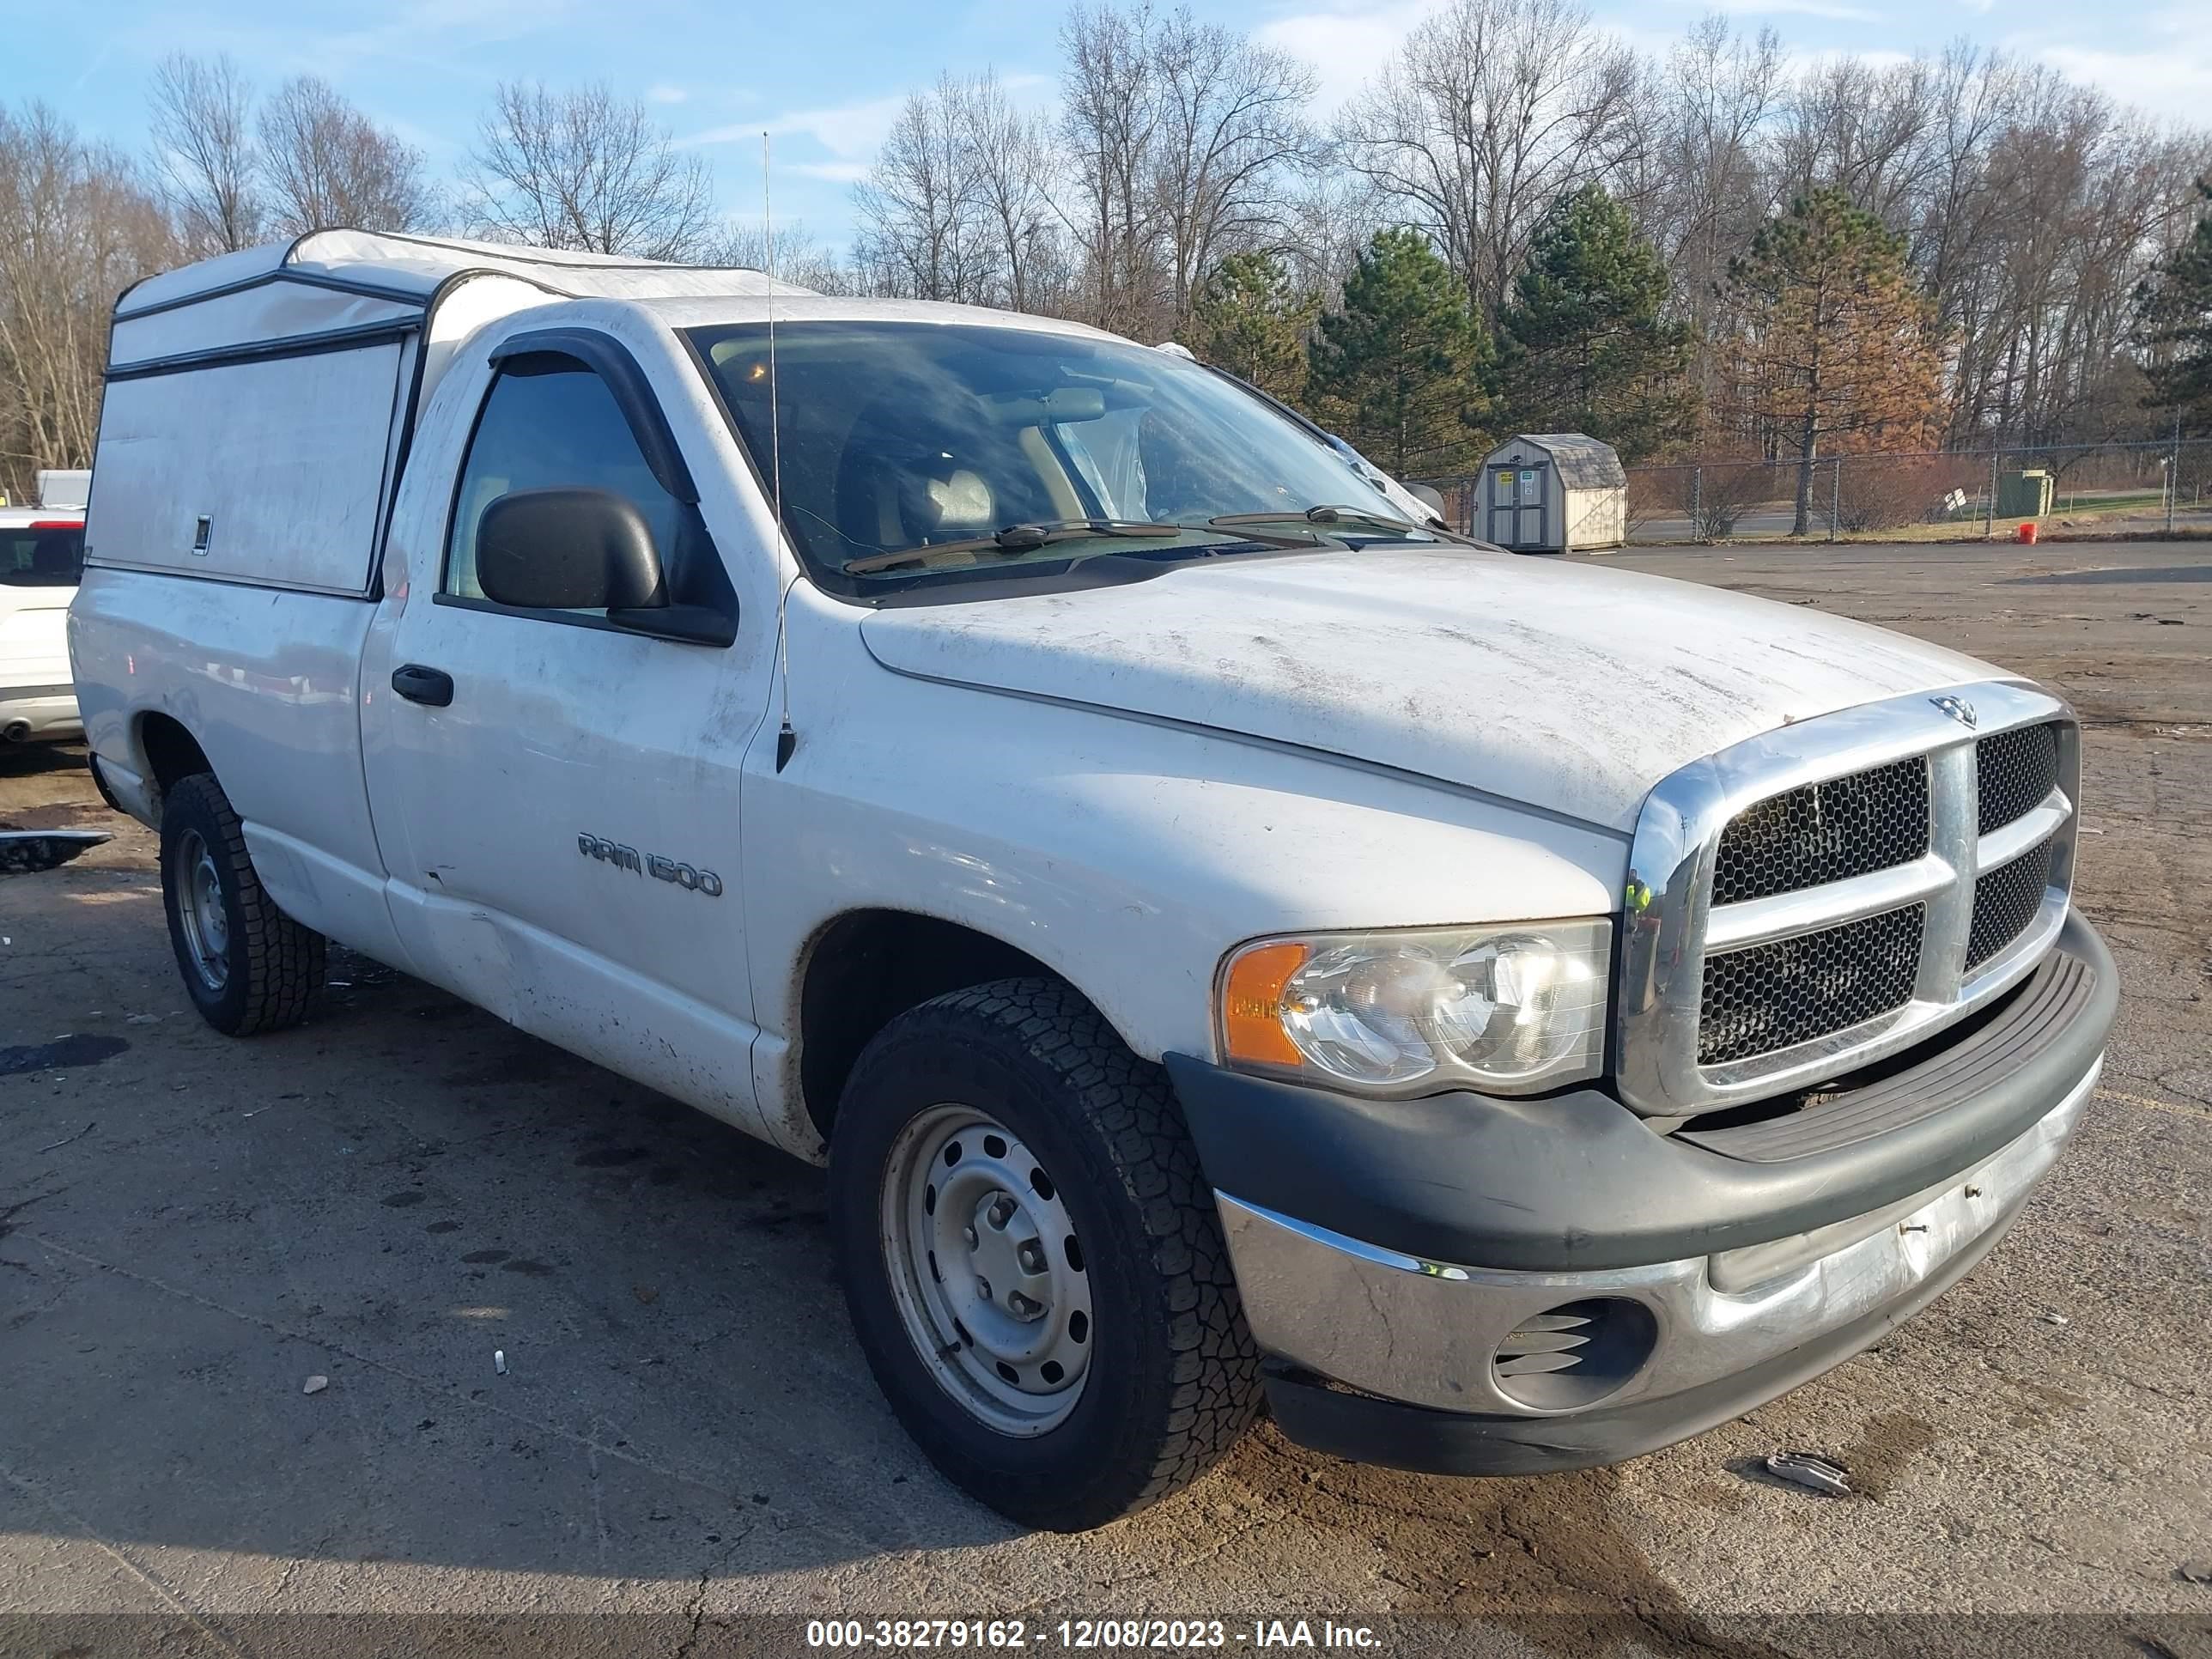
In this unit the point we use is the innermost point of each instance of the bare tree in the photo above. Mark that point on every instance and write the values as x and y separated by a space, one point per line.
1491 110
1111 111
1861 129
201 120
1956 236
1332 214
1231 131
926 232
1014 172
959 204
77 225
325 164
2087 197
586 170
1717 91
791 254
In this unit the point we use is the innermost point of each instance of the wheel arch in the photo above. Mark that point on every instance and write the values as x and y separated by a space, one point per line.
864 968
171 753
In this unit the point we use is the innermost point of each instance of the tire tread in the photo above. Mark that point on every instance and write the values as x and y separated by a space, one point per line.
286 963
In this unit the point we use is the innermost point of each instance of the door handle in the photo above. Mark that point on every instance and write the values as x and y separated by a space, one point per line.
434 686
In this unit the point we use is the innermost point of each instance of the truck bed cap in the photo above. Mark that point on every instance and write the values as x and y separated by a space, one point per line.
317 353
402 267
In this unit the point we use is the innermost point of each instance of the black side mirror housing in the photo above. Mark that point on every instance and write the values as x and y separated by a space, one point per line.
569 549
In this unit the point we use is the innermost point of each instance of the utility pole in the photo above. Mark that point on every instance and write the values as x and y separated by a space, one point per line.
2173 472
1836 500
1990 523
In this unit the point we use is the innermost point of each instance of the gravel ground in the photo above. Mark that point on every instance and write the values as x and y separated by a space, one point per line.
685 1451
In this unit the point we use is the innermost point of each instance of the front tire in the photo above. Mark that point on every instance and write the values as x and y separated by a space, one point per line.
247 965
1032 1259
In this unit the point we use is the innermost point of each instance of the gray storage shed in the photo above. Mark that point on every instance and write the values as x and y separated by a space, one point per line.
1553 492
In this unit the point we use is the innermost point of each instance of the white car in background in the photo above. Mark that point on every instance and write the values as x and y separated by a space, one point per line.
42 557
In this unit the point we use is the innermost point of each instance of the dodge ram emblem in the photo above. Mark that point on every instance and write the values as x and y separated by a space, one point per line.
651 864
1958 708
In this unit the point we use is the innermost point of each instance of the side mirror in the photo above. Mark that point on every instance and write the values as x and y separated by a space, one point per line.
567 549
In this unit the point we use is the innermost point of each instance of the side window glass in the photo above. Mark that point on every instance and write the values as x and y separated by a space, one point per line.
545 427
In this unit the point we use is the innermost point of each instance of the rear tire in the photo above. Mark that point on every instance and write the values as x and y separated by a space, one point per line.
247 965
1110 1364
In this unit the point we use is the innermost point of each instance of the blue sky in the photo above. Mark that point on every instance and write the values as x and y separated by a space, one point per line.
826 79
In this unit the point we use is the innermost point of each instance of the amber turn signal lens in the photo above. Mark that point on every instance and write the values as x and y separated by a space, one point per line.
1251 1005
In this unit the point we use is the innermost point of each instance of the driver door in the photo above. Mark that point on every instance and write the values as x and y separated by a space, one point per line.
560 796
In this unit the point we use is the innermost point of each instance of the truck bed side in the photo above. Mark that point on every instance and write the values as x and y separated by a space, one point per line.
274 708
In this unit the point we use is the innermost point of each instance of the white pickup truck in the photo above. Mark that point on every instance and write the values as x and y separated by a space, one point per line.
1229 945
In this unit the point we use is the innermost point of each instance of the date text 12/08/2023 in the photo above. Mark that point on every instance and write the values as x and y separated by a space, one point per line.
1087 1634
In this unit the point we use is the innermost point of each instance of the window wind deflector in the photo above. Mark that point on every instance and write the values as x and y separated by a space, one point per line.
611 361
1011 538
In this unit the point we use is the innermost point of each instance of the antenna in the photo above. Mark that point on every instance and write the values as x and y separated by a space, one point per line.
786 740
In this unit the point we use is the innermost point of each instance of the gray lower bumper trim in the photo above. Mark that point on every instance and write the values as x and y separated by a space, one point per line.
1424 1332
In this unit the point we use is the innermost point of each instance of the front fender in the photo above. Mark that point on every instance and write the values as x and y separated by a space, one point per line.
1125 854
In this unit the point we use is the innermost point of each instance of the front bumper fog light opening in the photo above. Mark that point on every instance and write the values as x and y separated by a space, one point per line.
1576 1354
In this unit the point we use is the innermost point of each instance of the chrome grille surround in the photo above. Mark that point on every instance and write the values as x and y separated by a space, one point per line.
1671 924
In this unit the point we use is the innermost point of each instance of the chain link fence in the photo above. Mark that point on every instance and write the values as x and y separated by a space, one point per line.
2116 488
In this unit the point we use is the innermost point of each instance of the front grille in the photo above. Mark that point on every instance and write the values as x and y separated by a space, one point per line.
1749 965
2006 900
1770 997
2019 770
1825 832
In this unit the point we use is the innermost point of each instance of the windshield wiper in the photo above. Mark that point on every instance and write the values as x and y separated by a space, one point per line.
1011 538
1324 515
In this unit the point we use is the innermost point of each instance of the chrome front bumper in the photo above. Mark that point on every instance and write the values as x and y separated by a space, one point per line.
1426 1333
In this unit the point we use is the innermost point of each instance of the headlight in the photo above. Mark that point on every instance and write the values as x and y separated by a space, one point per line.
1510 1008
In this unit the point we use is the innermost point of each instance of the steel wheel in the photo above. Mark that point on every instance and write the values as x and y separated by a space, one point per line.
987 1270
201 912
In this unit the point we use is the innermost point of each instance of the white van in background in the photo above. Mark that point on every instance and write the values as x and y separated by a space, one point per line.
41 556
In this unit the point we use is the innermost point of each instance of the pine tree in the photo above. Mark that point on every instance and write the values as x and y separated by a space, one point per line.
1583 344
1839 343
1399 369
1249 320
2176 305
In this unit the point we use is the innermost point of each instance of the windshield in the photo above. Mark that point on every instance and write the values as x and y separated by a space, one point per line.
901 437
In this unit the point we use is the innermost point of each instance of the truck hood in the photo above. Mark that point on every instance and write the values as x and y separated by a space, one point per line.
1569 688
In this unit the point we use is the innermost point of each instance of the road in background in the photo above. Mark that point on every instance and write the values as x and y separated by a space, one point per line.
686 1435
2093 514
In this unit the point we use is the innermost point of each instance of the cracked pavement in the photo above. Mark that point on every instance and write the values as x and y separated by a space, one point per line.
686 1451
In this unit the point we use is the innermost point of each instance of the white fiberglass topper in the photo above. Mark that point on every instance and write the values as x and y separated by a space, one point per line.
316 352
358 280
